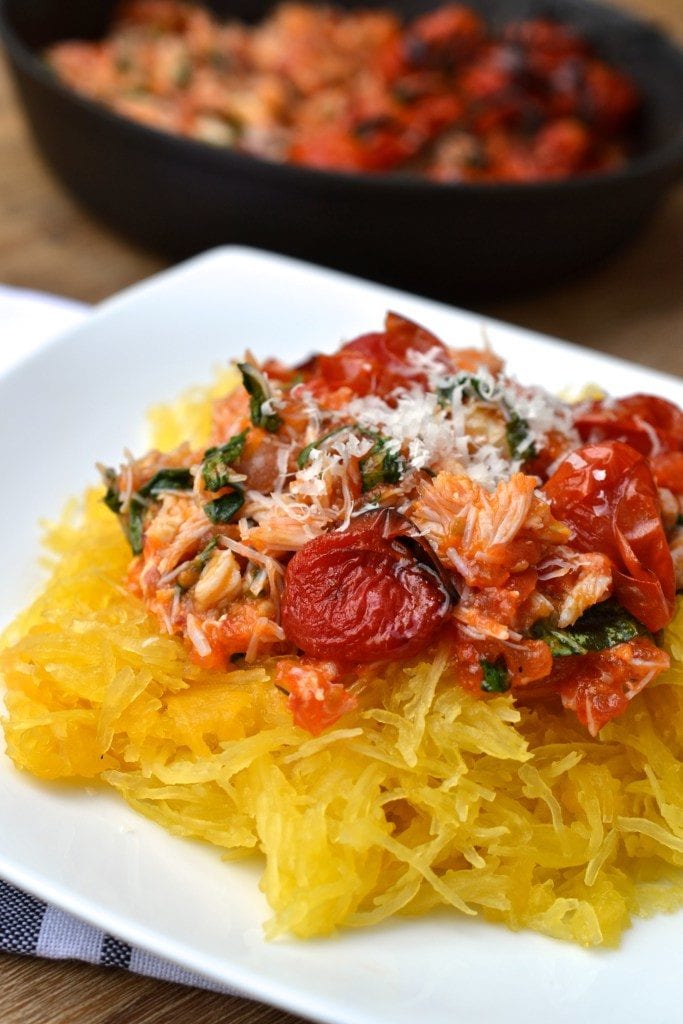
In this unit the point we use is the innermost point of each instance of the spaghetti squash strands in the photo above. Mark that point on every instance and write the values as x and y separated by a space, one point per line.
422 796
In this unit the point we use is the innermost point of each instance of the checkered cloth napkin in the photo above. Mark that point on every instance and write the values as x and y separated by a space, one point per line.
27 925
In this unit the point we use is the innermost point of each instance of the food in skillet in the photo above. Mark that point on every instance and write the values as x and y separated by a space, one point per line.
443 96
396 620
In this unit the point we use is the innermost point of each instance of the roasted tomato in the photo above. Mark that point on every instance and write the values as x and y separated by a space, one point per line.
373 144
443 39
380 362
647 423
650 424
668 470
372 592
607 494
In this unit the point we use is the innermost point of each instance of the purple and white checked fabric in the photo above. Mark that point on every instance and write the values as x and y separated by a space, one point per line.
27 925
33 928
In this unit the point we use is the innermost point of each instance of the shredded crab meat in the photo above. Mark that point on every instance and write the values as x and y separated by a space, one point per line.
592 584
474 530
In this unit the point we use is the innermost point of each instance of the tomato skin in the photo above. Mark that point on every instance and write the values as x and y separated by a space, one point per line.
563 147
647 423
606 493
378 363
668 470
367 593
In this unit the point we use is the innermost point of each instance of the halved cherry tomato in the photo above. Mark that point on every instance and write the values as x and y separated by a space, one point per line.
648 423
380 362
607 494
372 592
668 470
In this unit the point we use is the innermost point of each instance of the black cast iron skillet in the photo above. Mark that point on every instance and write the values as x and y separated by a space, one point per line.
456 242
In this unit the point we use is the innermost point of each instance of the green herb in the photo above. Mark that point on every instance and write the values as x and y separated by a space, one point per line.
381 465
191 574
472 387
112 498
679 521
204 555
404 92
305 453
517 433
496 676
260 393
124 63
133 524
604 625
183 74
221 510
370 126
217 462
169 479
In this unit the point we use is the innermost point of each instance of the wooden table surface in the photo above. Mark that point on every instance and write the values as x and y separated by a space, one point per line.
632 307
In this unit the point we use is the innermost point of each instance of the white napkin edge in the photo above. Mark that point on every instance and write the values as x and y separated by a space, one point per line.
30 319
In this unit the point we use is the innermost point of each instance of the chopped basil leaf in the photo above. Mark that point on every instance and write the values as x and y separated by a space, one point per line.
604 625
260 393
183 74
472 387
519 441
217 462
496 676
305 453
381 465
112 498
221 510
191 574
133 524
205 554
169 479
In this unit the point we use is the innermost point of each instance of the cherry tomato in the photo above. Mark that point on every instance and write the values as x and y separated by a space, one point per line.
380 362
668 470
545 43
562 147
647 423
372 592
610 98
607 494
443 38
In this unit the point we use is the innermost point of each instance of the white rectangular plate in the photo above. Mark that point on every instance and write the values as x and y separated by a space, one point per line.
82 399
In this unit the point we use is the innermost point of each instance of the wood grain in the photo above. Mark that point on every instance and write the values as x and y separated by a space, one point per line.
54 992
632 307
